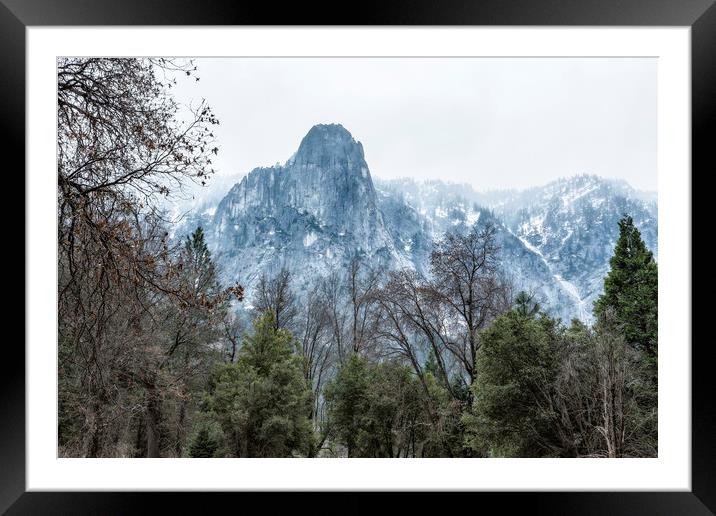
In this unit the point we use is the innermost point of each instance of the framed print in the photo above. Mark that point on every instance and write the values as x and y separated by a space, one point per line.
429 248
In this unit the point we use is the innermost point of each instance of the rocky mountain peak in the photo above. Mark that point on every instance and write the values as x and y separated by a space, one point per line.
330 146
313 214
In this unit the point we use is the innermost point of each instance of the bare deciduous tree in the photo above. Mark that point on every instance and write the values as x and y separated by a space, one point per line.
274 293
363 284
316 344
333 295
411 324
596 394
466 280
232 328
123 143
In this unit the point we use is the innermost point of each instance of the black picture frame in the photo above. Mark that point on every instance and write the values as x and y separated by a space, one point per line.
700 15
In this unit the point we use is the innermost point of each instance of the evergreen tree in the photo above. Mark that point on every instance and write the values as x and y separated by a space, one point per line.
376 410
631 290
516 366
197 266
263 401
346 396
444 431
204 444
192 324
630 299
394 412
526 305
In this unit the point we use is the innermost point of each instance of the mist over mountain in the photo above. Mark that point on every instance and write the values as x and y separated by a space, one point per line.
322 208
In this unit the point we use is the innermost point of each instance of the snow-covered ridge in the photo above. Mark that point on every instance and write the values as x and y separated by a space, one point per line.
322 208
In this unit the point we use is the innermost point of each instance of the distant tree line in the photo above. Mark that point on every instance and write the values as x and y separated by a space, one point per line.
155 362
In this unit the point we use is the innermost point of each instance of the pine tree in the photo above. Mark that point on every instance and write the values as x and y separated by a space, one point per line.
526 305
346 396
631 290
262 402
204 444
192 327
376 409
198 267
516 364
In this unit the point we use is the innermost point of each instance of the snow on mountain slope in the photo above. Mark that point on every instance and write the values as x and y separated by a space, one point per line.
321 209
573 223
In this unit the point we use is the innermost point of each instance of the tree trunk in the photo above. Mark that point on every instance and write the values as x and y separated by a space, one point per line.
94 446
153 416
140 448
181 420
180 426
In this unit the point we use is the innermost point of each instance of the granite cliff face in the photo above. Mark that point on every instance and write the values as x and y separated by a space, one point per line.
313 214
321 209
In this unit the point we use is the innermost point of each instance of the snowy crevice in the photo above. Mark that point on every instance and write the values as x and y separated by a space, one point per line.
569 287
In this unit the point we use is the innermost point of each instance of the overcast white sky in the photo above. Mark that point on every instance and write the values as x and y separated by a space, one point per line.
493 122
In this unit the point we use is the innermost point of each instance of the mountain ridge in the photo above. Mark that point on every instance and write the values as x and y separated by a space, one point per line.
322 209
